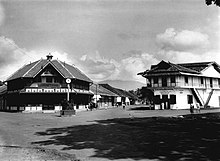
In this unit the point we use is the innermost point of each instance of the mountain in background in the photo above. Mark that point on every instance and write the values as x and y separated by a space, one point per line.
125 85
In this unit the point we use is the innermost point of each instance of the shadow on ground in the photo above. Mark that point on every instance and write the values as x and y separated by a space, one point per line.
193 137
141 108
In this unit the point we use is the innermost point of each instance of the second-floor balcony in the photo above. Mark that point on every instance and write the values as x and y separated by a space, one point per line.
55 90
183 85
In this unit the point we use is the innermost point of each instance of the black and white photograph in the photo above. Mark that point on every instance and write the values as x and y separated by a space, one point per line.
109 80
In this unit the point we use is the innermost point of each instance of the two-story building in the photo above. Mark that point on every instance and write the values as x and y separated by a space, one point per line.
177 86
44 85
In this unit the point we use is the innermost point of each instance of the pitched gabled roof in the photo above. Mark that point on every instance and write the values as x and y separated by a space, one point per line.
32 69
119 92
168 69
99 90
3 89
199 66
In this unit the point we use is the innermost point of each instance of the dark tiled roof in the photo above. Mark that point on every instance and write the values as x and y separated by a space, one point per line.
3 89
168 68
22 71
176 67
101 90
119 92
76 72
199 66
66 70
112 89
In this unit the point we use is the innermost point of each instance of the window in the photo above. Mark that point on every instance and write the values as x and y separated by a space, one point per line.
219 82
155 80
211 84
202 80
49 79
190 99
164 81
186 79
37 79
172 79
172 99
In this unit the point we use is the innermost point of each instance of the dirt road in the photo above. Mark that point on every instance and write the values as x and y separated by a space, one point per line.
89 135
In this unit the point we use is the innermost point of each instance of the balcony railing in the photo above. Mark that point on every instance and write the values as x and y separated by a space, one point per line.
183 84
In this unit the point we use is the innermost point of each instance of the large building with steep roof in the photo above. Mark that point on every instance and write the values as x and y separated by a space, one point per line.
42 85
177 86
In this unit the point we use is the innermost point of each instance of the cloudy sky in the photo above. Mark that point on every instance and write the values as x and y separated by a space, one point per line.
108 39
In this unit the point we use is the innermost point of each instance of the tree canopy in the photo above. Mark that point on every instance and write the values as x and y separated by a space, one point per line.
216 2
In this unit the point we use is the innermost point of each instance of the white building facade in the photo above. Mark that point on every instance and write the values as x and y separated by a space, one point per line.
177 86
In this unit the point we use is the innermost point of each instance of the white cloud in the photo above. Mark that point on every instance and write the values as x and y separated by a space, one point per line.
97 67
186 46
12 57
182 40
2 14
100 68
134 64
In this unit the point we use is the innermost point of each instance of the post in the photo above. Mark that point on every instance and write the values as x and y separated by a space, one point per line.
68 81
68 92
96 95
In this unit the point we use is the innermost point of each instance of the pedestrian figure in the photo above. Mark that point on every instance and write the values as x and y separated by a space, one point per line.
191 108
123 105
198 107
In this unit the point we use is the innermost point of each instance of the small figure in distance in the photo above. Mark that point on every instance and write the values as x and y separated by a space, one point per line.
198 107
191 108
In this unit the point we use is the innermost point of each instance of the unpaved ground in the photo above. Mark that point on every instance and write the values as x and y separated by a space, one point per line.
16 153
92 135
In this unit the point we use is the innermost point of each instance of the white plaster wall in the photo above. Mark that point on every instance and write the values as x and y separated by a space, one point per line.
214 101
211 72
181 98
58 108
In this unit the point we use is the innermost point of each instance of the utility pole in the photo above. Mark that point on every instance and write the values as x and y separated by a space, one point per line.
68 81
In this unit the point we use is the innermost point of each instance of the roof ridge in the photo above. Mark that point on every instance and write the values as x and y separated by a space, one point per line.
37 62
51 62
207 62
66 68
41 67
77 69
183 67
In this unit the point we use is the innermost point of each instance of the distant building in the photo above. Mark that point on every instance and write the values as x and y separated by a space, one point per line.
177 86
42 85
102 96
122 95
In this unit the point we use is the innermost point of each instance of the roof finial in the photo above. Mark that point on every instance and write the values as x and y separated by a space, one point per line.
49 56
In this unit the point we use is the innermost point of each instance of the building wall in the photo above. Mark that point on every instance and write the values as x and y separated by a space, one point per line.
182 100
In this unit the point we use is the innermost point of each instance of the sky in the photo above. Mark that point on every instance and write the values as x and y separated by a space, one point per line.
108 39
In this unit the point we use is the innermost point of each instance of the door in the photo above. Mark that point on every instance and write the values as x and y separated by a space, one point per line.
164 81
165 101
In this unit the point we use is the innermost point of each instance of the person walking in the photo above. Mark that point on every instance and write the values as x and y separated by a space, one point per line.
198 107
191 108
123 105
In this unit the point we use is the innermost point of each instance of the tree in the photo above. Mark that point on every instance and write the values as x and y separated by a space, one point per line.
216 2
145 94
